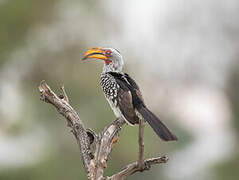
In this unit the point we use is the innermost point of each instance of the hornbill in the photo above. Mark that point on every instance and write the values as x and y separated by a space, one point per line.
123 94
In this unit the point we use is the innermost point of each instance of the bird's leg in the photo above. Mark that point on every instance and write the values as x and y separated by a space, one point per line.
141 144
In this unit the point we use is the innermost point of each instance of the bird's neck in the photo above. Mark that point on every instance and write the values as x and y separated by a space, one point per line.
112 68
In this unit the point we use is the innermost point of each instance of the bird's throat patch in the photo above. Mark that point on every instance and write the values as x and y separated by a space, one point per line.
107 61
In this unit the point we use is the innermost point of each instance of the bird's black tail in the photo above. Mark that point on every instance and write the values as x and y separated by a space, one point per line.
161 130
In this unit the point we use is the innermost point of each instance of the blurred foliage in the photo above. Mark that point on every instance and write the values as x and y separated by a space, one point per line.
232 92
229 168
53 167
17 18
62 159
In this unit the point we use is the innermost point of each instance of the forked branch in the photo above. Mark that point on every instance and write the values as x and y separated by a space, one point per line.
73 120
95 162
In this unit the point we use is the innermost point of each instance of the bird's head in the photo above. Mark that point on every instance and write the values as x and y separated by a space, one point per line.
112 58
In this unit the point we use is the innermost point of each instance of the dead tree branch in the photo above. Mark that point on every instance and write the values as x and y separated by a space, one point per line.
73 120
95 162
107 139
133 168
141 144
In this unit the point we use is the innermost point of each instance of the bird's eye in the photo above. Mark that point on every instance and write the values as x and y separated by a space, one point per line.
108 52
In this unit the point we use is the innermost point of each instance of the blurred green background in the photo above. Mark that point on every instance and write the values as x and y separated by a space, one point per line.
183 54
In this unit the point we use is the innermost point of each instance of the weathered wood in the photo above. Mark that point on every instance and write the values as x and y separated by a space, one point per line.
95 162
133 168
73 120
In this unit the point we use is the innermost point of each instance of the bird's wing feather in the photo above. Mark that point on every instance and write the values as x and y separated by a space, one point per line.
130 85
125 98
126 106
135 86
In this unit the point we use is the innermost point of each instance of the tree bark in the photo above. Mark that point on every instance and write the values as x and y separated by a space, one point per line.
95 162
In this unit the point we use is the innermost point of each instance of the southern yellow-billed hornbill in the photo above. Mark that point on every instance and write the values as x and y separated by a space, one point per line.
123 94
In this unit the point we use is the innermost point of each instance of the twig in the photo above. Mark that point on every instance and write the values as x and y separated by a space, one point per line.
141 144
133 168
65 97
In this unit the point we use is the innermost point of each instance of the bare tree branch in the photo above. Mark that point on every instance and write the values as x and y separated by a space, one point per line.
65 97
73 120
141 144
107 140
133 168
95 162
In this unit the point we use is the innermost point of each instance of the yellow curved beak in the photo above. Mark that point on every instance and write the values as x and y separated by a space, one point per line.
96 53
